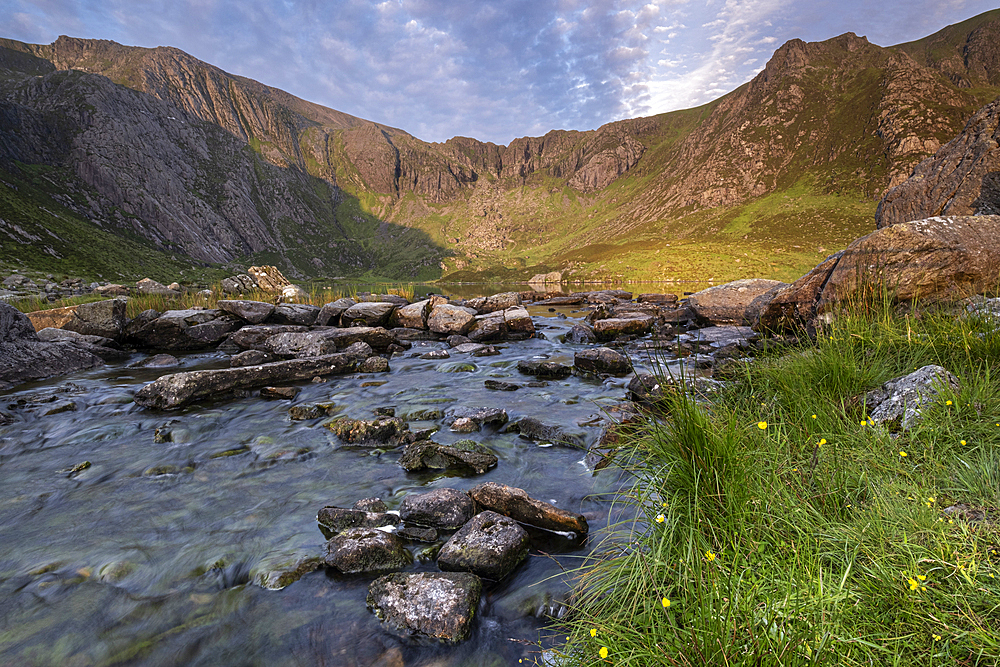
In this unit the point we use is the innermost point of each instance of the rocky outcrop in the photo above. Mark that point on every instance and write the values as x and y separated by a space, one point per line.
898 402
99 318
23 356
937 259
963 177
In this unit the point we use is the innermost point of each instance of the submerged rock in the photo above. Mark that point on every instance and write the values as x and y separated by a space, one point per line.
490 545
278 570
440 605
381 432
544 369
461 454
533 429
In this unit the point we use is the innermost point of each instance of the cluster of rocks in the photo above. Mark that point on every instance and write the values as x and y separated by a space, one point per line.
17 286
473 537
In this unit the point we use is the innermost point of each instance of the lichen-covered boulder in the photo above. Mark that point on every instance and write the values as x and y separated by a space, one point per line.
899 401
358 550
450 319
490 545
462 454
380 432
440 605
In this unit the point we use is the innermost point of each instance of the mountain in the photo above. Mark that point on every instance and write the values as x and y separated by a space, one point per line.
151 161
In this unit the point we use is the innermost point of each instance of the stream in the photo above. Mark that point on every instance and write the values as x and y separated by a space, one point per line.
148 555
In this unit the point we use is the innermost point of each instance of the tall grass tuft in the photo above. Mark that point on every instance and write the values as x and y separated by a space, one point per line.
779 525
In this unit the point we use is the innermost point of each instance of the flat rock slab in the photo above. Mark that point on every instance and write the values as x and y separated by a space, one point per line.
518 505
440 605
733 303
441 508
614 327
533 429
358 550
490 545
178 389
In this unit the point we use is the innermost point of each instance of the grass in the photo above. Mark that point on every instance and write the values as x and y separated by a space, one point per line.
778 525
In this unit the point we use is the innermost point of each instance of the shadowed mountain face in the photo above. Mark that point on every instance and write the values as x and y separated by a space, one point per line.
189 162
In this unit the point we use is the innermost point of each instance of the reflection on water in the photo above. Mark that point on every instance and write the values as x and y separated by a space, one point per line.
470 290
146 556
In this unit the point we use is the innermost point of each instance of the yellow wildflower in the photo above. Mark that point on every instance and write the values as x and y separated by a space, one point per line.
821 442
666 602
814 416
603 652
913 584
660 518
947 402
709 556
961 442
936 637
593 632
762 425
902 453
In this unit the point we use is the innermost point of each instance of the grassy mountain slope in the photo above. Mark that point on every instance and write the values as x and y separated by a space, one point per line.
764 181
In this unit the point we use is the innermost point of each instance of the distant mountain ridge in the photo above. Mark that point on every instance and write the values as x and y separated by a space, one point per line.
189 163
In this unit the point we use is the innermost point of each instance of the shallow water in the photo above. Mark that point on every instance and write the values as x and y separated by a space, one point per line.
146 556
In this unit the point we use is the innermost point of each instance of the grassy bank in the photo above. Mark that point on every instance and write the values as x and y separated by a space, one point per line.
778 525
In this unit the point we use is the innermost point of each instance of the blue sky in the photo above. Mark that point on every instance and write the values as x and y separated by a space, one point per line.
493 70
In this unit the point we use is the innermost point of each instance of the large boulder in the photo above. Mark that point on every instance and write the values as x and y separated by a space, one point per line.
189 329
173 391
602 360
414 315
932 260
150 287
367 314
737 302
962 179
256 336
449 319
613 327
440 605
358 550
440 508
302 314
23 356
490 304
268 278
98 318
251 312
339 519
329 314
490 546
518 505
326 341
513 322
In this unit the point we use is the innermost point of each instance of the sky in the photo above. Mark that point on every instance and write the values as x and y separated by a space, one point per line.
490 69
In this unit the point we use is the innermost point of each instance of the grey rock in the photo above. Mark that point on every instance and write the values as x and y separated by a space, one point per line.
440 605
533 429
518 505
366 550
602 360
612 328
370 505
506 324
899 401
301 314
580 335
448 319
151 287
255 337
251 312
462 454
157 361
339 519
441 508
250 358
173 391
23 356
374 365
329 314
489 545
499 385
544 369
490 304
436 354
367 314
481 416
185 329
414 315
380 432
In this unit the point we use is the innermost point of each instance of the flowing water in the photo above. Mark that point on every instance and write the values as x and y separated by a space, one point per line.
146 557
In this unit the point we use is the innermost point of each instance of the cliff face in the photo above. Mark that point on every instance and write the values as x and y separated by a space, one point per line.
219 167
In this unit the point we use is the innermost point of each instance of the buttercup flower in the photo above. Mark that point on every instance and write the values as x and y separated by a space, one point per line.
821 442
603 652
902 453
762 425
709 556
666 603
593 632
936 637
660 518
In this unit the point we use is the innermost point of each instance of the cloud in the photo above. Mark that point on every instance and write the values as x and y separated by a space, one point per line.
492 69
